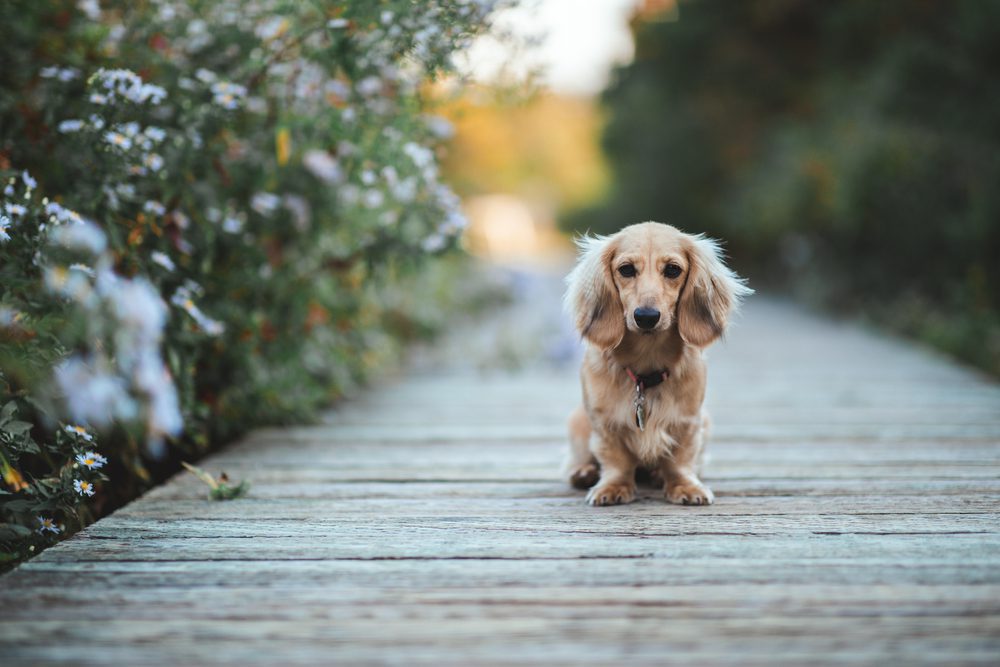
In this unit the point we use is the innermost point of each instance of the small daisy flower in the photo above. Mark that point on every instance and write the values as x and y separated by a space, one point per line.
155 134
154 207
163 260
4 226
98 98
153 161
47 524
118 140
15 210
91 460
83 487
228 95
79 431
69 126
29 182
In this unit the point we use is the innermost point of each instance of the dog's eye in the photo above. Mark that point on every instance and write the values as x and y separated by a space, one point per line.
671 271
627 270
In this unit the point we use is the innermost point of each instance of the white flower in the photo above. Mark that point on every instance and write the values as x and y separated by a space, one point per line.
373 198
183 298
421 155
228 95
126 84
440 127
78 431
150 93
205 76
387 17
62 73
405 191
155 134
68 126
29 182
15 210
272 28
368 177
92 394
154 207
138 307
83 235
162 259
4 226
265 203
118 140
153 161
47 524
369 86
73 284
83 487
337 24
232 224
91 8
82 268
322 165
62 214
434 242
91 460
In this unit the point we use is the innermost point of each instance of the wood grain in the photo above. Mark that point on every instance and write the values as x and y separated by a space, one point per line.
425 522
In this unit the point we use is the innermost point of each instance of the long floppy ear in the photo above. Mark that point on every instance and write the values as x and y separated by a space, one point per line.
711 294
591 295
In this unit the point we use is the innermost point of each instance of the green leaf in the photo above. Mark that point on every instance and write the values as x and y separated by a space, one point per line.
7 412
11 531
18 427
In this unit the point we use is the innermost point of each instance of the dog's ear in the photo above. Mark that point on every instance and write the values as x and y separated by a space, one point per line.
710 295
591 295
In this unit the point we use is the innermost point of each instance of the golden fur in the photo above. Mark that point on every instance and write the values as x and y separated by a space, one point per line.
606 446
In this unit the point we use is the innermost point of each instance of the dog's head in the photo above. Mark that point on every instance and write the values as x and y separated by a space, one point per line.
648 278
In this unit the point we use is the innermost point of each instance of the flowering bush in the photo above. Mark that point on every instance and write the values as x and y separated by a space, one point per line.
207 209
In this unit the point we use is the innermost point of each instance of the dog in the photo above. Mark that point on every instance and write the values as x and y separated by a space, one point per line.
647 301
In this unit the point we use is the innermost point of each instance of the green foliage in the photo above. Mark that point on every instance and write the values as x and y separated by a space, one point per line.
215 214
845 150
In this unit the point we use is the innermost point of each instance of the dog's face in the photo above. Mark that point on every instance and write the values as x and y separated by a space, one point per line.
649 266
648 278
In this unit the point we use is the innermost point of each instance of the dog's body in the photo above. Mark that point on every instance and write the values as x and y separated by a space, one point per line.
647 301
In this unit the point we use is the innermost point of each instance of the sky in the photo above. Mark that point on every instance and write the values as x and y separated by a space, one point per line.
580 40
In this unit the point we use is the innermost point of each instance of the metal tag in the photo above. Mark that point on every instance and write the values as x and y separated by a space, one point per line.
640 408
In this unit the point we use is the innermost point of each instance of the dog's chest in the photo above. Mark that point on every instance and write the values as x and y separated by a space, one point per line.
663 416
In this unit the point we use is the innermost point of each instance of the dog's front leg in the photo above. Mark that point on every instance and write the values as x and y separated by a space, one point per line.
617 483
680 469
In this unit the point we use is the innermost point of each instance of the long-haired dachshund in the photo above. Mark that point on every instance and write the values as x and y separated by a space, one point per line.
647 301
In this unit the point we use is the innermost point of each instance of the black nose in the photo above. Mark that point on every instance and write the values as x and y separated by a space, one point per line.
646 318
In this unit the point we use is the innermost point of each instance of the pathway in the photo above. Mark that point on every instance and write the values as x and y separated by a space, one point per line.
857 522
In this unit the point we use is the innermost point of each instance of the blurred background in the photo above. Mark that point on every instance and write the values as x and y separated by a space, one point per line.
845 151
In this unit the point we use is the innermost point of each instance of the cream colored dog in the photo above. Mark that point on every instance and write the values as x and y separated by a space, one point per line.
647 301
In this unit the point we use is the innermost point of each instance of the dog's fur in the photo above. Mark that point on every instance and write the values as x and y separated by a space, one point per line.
606 446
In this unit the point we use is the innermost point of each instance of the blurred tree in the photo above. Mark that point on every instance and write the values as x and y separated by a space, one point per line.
846 151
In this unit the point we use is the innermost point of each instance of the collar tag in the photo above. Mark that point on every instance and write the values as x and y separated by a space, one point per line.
640 407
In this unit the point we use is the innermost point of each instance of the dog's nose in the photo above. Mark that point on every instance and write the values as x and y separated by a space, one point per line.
646 318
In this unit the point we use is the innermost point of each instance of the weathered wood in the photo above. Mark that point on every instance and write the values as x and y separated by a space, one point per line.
426 522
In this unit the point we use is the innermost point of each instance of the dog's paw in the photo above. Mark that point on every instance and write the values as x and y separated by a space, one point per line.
584 476
612 493
690 493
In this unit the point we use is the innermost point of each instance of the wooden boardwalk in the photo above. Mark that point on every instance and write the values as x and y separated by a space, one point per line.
857 522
